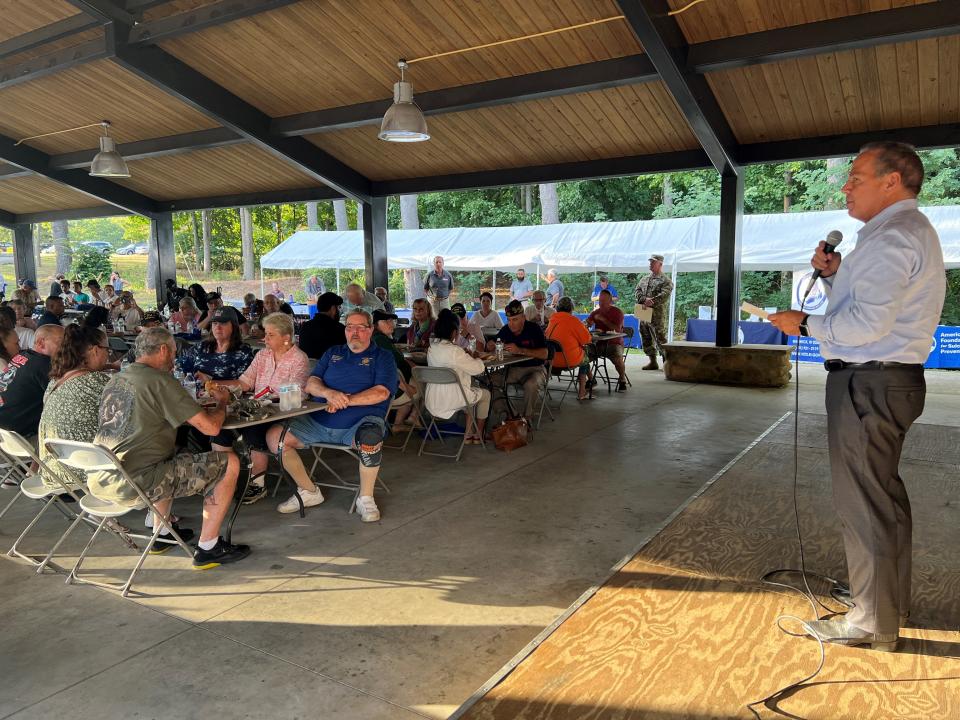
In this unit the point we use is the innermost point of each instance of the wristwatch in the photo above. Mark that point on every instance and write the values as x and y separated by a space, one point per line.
804 331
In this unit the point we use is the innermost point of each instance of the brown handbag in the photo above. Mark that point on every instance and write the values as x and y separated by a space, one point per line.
510 434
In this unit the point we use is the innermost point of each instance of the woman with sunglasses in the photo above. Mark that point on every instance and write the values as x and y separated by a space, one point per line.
71 402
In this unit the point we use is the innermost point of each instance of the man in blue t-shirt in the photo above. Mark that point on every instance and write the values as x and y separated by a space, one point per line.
357 380
521 337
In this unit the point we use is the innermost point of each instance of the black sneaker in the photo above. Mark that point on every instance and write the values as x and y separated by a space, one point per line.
220 554
159 548
621 387
254 493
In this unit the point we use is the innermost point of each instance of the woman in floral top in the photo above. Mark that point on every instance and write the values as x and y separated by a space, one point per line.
72 400
281 362
225 357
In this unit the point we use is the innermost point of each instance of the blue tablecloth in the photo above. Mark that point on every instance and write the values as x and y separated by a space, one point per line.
752 333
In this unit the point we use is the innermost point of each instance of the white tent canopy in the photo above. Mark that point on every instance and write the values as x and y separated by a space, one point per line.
783 241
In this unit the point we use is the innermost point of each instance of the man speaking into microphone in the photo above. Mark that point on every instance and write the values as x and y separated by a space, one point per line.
885 302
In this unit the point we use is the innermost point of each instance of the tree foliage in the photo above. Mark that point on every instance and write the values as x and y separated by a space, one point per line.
90 264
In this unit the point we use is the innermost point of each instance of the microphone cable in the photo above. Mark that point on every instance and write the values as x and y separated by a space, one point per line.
806 592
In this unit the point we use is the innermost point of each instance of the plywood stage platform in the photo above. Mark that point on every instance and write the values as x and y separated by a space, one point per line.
686 630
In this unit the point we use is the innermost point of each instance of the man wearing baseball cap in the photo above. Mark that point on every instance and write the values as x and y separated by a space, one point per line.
323 330
653 291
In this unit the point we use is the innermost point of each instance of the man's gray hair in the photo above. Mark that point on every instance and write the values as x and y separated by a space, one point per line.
358 286
367 317
189 302
150 340
565 304
900 158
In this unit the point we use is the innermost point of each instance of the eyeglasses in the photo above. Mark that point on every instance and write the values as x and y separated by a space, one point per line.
103 347
356 328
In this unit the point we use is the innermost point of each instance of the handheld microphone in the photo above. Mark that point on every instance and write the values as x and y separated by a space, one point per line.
834 238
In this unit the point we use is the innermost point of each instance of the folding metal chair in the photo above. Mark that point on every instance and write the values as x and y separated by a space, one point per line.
442 376
88 458
341 484
627 347
566 376
20 454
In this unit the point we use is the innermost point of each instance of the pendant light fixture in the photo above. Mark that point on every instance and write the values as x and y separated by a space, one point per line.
403 121
108 162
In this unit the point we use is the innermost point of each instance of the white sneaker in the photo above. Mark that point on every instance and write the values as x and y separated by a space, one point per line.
369 512
309 498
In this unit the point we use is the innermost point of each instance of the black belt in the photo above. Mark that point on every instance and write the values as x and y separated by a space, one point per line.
832 365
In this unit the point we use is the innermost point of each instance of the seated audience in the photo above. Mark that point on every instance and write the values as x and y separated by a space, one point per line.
384 324
96 318
443 401
486 316
609 318
128 311
212 303
110 297
24 381
28 293
249 303
9 346
539 312
356 297
522 337
271 305
174 295
71 402
603 284
421 325
323 330
187 317
281 362
95 292
357 381
24 314
79 296
66 293
381 293
140 412
573 337
150 319
199 296
467 331
224 356
53 311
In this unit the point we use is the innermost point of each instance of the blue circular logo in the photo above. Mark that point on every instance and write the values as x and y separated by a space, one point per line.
817 298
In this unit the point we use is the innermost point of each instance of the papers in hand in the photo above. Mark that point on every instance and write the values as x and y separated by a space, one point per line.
754 310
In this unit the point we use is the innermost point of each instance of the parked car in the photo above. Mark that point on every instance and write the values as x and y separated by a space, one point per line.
101 245
141 250
127 249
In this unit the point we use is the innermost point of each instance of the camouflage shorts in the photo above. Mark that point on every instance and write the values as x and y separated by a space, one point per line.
185 474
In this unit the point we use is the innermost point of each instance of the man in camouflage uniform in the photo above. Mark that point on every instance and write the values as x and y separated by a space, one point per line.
653 291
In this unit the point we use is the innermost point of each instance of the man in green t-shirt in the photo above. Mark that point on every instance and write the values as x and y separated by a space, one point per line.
140 412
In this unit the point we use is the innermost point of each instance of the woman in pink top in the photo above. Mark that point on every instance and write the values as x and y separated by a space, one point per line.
281 362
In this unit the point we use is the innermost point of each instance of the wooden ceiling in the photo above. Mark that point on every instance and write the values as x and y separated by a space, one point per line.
322 56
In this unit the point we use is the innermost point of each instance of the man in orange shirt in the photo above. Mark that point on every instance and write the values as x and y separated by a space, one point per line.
572 335
609 318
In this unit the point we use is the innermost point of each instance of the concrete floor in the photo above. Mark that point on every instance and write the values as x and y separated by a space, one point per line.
402 618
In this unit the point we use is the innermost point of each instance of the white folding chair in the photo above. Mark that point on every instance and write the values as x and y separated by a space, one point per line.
442 376
20 454
89 458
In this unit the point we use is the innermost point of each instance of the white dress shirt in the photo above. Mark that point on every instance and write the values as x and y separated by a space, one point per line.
887 295
444 400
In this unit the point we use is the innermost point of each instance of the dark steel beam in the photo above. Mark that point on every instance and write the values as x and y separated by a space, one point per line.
161 255
201 18
664 43
104 10
728 259
155 147
24 262
48 33
76 214
199 92
584 170
272 197
916 22
600 75
926 137
376 273
7 218
53 62
29 158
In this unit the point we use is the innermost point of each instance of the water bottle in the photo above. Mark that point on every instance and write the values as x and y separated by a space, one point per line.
121 324
172 327
190 385
499 346
124 364
472 345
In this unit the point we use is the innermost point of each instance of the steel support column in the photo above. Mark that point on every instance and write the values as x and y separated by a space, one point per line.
164 262
375 242
23 260
728 265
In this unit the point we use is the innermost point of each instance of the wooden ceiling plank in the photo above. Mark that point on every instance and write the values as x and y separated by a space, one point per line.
889 74
928 83
907 68
949 56
868 81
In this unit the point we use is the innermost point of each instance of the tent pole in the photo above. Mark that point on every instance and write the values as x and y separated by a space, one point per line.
538 276
338 278
673 299
494 293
